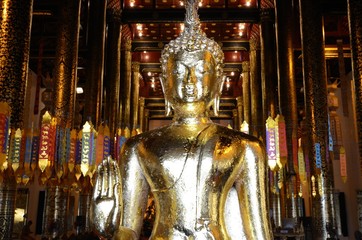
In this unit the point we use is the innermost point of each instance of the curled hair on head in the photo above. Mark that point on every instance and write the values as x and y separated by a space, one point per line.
193 39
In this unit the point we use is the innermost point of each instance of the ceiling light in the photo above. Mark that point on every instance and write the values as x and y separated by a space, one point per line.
79 90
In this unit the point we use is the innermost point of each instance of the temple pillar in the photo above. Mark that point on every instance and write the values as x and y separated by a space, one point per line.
355 33
142 114
126 59
239 110
268 56
66 62
7 204
246 91
256 124
95 67
55 220
113 73
315 87
287 91
15 25
135 95
85 199
235 119
146 120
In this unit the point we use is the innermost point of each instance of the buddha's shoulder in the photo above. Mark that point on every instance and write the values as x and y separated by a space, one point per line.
223 132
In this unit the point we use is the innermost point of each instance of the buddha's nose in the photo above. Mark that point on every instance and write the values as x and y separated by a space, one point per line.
191 76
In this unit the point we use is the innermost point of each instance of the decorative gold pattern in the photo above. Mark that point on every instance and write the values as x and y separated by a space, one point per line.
66 61
355 19
14 55
315 82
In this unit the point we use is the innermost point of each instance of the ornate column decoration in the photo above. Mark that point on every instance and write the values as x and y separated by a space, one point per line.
142 114
315 82
246 91
94 85
66 62
113 72
355 33
15 25
7 204
256 124
146 119
135 95
55 212
268 70
126 59
287 89
85 198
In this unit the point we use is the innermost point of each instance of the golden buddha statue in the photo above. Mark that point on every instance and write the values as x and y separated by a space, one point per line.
208 181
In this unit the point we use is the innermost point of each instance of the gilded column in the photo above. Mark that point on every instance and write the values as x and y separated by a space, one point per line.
15 25
135 94
85 199
239 102
246 91
355 27
96 42
7 204
287 89
142 114
113 72
66 62
146 119
235 119
269 78
315 83
54 224
126 82
256 123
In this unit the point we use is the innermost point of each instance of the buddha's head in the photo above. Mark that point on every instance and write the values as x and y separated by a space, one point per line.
192 66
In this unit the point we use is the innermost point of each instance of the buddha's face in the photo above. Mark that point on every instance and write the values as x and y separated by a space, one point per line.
190 77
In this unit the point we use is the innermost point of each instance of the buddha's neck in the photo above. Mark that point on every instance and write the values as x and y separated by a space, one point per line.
190 113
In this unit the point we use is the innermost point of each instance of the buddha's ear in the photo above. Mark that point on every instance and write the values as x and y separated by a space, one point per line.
164 89
216 101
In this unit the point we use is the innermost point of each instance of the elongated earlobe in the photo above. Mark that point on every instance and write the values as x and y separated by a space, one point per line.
167 108
216 105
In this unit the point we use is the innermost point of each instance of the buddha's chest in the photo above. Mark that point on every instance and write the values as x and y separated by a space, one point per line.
198 166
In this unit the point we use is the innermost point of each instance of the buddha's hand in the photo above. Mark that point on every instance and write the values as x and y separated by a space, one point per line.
106 204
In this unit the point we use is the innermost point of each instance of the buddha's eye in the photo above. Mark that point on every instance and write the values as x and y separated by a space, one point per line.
180 68
201 69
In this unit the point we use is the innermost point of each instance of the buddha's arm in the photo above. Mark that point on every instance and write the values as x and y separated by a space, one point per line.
134 194
252 191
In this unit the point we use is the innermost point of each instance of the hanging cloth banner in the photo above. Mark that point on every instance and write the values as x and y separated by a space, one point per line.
282 139
72 150
44 143
106 142
270 143
99 146
87 148
34 151
343 164
4 131
301 164
318 157
15 149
